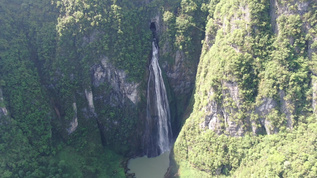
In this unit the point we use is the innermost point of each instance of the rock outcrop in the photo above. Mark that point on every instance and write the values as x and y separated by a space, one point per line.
180 71
3 109
220 117
105 72
74 122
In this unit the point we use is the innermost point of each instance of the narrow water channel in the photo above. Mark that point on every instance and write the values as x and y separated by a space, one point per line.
145 167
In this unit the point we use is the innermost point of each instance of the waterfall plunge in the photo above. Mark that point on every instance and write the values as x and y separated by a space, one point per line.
158 132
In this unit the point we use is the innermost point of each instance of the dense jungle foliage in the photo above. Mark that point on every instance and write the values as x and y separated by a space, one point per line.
266 49
48 49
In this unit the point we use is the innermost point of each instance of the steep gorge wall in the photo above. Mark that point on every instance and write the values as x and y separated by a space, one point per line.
180 34
73 78
118 73
78 70
253 78
89 64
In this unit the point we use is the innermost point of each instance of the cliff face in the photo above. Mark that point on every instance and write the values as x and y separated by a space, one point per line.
179 70
180 34
118 72
74 74
73 82
227 92
232 88
111 102
87 65
253 78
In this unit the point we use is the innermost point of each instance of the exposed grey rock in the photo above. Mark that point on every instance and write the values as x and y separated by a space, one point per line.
231 91
106 72
273 15
111 100
157 22
277 9
212 120
223 113
180 72
222 117
90 100
268 104
3 109
218 170
286 107
91 38
181 78
314 99
74 123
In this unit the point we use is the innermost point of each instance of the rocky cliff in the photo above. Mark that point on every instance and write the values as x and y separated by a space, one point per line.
81 68
253 78
73 79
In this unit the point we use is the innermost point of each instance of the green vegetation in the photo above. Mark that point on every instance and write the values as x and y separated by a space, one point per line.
289 154
253 56
185 27
47 51
180 41
285 154
244 48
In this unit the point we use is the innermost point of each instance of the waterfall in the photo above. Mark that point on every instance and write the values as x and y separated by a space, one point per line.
158 132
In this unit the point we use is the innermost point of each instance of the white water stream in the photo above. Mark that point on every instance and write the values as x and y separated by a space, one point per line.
158 132
162 106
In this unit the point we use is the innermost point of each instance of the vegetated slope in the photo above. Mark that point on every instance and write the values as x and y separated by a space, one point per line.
73 80
66 100
256 78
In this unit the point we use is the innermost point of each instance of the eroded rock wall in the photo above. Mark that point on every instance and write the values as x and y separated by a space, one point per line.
256 76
